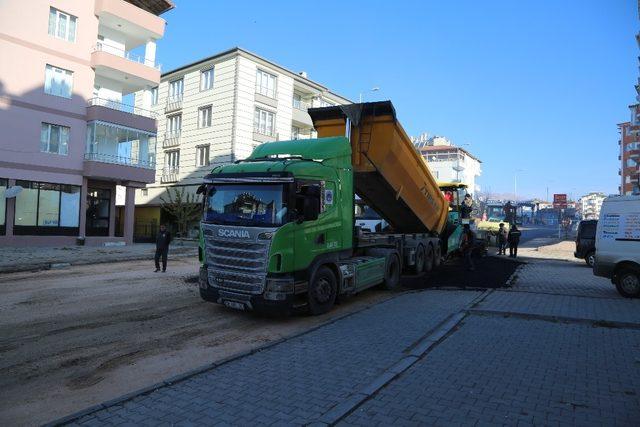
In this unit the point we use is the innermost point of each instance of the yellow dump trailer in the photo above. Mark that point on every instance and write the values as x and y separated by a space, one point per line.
389 174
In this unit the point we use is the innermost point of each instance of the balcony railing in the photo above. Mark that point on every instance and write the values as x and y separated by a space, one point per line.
170 174
120 160
134 57
173 103
171 139
125 108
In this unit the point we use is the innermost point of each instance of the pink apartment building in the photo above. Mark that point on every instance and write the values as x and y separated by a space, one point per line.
70 132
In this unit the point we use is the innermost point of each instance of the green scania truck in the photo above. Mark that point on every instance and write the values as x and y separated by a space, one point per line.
278 228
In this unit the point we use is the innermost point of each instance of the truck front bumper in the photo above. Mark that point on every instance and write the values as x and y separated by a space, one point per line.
280 295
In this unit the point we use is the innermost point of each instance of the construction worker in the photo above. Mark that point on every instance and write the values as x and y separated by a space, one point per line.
467 245
514 240
502 239
162 248
466 207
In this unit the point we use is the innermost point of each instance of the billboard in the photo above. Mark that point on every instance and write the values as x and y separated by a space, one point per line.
559 201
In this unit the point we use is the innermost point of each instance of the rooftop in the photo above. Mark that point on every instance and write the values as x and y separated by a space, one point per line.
240 51
446 148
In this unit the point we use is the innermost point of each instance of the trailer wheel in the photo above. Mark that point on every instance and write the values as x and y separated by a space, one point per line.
437 256
418 267
428 261
323 288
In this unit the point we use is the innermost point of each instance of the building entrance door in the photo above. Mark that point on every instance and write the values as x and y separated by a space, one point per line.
98 211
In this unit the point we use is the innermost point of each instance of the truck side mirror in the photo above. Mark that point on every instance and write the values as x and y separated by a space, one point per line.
202 189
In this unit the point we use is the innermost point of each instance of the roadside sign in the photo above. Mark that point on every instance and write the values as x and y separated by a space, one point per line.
559 201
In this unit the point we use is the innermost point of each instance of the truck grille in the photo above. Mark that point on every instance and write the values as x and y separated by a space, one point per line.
238 265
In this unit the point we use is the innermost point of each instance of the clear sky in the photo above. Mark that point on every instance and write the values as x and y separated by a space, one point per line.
534 85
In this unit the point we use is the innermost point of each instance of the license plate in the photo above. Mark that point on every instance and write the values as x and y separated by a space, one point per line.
235 305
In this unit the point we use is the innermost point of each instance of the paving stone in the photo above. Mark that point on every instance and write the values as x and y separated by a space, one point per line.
506 349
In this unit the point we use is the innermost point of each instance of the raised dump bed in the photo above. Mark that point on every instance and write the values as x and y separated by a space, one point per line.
389 174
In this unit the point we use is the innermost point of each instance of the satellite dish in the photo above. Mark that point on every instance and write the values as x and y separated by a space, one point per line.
12 191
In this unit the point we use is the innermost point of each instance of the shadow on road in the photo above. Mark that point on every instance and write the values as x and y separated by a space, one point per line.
490 272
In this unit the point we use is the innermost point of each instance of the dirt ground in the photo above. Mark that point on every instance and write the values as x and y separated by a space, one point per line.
80 336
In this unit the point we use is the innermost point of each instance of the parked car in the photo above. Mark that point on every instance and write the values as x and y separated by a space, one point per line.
618 244
586 241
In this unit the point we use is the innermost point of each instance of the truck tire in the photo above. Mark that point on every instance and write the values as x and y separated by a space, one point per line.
628 283
590 258
323 288
418 267
437 256
392 269
428 259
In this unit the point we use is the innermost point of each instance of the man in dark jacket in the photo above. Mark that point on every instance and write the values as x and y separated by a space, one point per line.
514 240
466 207
162 248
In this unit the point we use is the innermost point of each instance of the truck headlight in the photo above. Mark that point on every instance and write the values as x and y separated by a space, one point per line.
268 235
280 285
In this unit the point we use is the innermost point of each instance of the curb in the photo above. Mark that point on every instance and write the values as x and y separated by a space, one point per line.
61 265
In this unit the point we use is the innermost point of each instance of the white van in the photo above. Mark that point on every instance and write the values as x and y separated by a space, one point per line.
618 244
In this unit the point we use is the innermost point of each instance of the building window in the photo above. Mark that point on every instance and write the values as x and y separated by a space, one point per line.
172 161
62 25
206 79
43 208
631 163
176 89
58 81
3 205
174 124
202 155
54 139
204 117
266 84
295 132
264 122
154 96
324 103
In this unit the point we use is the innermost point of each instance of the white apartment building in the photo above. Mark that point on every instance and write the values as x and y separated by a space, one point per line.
449 163
217 110
590 204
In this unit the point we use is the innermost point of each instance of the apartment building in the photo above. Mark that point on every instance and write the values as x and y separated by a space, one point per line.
589 205
69 135
449 163
217 110
629 155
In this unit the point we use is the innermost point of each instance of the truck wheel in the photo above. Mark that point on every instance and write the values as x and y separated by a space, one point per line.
322 291
391 272
628 283
590 259
418 267
437 256
428 260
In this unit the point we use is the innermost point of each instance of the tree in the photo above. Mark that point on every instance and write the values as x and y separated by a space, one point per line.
184 207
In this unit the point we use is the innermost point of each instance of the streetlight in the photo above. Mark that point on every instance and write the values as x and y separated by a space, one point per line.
515 184
373 89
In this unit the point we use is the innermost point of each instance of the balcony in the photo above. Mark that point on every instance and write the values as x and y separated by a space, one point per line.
106 110
170 174
300 117
131 20
174 103
119 154
171 139
132 71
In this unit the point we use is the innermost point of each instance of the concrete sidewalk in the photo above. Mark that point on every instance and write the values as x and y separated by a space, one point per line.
31 259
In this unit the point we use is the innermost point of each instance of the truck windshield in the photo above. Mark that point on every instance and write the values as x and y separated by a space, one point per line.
250 205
